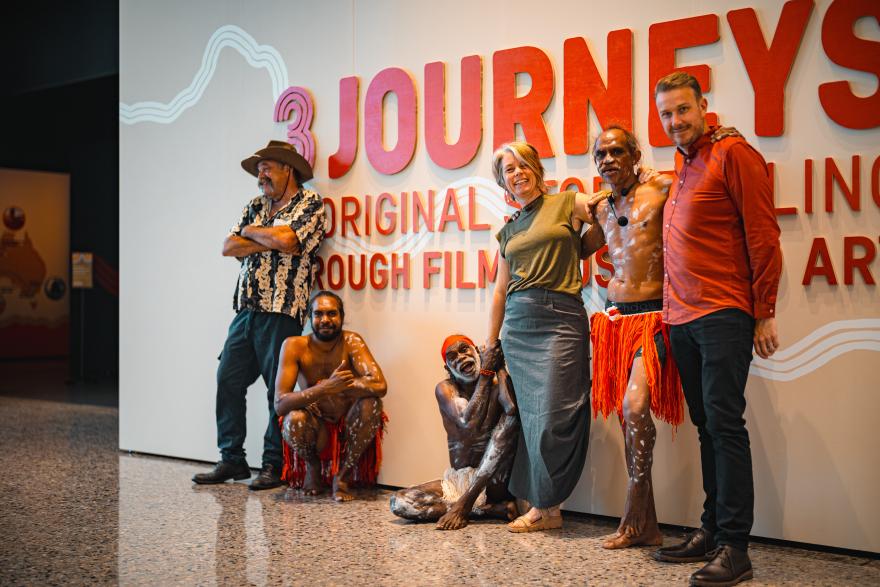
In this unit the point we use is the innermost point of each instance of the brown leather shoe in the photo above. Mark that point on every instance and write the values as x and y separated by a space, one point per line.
268 478
222 472
729 567
697 546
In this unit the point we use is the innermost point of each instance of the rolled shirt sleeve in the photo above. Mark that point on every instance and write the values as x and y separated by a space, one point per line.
750 189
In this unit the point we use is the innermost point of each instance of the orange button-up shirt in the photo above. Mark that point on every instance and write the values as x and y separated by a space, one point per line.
720 235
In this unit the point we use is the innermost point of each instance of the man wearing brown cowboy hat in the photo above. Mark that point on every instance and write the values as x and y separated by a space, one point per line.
276 240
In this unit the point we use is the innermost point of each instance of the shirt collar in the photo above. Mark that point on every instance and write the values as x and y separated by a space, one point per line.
700 142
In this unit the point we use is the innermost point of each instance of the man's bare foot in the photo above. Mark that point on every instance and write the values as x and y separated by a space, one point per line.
635 515
623 540
312 484
340 490
454 519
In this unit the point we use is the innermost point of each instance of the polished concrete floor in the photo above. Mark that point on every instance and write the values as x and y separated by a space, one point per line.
76 511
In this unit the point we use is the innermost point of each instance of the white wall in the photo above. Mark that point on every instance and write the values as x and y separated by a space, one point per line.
181 188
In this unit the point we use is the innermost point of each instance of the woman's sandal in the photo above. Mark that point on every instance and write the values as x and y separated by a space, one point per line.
522 524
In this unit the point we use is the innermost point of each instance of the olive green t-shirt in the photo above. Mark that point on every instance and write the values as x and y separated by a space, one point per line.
541 246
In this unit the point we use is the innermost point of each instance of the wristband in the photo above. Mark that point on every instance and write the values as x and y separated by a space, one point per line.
487 372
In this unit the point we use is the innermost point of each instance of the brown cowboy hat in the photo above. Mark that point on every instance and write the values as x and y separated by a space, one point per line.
283 153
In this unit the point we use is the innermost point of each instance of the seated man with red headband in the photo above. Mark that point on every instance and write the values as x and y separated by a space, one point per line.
479 414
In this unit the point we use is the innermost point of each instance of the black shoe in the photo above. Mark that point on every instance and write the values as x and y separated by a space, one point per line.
729 567
268 478
223 471
697 546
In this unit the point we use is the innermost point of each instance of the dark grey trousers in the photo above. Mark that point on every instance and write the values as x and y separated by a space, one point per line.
251 350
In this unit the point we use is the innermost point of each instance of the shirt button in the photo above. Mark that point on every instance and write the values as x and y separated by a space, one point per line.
667 226
681 182
664 250
673 201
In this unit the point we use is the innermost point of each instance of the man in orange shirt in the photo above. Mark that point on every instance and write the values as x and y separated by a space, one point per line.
722 263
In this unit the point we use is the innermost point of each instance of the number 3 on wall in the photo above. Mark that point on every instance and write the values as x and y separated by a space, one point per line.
298 101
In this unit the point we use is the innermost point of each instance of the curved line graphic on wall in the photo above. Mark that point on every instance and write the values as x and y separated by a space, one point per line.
257 56
817 348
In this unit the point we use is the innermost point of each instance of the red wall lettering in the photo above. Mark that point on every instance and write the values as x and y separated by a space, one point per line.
400 271
378 277
851 262
510 109
875 181
337 262
601 261
663 40
833 175
330 211
819 263
359 284
460 282
769 68
808 186
571 183
426 213
341 161
391 216
583 85
486 271
350 217
450 201
428 268
771 169
472 211
465 149
845 49
397 81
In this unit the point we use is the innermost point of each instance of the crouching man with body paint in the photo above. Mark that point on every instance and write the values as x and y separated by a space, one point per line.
479 415
332 426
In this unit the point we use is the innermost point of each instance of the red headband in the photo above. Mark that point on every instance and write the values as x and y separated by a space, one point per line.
452 339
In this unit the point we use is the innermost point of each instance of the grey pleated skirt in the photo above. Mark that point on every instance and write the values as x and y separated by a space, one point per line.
545 339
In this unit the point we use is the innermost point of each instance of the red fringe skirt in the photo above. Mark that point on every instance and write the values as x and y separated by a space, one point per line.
365 472
615 343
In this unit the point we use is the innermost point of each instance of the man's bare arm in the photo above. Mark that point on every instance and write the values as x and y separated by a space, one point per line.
474 413
369 380
592 240
278 238
237 246
583 211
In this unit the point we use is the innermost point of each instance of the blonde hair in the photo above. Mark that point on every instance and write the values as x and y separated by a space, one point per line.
526 155
678 79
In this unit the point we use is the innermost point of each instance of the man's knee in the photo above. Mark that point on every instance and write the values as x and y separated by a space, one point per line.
297 428
369 409
636 402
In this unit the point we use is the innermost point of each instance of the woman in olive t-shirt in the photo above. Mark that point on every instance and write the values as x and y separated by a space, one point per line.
538 312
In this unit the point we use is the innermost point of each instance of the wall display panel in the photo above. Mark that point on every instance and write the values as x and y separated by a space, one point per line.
407 102
34 264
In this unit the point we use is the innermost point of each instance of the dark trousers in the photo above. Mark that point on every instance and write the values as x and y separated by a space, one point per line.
251 350
713 355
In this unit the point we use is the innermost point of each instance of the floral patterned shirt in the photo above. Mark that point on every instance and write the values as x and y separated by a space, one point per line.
273 281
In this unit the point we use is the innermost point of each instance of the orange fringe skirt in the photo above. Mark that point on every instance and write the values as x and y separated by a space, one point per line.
615 343
365 472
